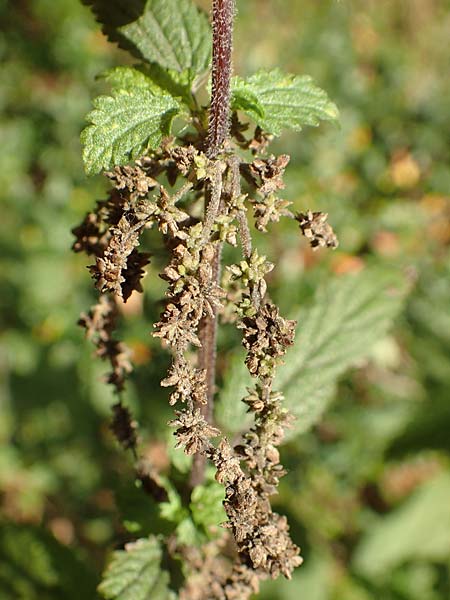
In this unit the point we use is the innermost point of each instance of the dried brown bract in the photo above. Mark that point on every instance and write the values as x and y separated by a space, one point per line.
267 174
132 179
124 427
266 337
193 432
120 269
92 234
260 142
269 209
317 230
250 471
189 382
99 324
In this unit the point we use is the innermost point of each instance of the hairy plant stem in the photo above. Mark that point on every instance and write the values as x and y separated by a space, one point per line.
219 128
219 116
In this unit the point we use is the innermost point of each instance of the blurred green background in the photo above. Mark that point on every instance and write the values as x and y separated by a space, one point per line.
368 489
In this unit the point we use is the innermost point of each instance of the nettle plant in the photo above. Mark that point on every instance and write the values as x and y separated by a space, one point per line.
197 173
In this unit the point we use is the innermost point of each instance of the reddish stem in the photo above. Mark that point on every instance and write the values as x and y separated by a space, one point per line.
219 129
219 116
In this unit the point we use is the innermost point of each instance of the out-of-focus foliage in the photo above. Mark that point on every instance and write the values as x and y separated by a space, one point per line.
135 573
339 327
367 488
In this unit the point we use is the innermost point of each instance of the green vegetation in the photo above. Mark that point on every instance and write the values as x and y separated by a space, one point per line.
368 482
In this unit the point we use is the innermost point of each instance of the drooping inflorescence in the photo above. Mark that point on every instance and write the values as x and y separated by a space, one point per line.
250 470
225 169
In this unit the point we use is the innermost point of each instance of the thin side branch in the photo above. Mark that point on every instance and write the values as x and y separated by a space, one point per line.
212 208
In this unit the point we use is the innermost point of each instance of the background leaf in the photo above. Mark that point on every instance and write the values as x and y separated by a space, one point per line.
428 314
129 79
173 33
348 315
135 574
420 529
34 565
277 101
125 125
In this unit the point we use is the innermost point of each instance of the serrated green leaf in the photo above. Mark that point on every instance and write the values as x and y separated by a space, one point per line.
135 573
153 78
129 79
420 529
173 33
277 101
124 125
348 315
177 84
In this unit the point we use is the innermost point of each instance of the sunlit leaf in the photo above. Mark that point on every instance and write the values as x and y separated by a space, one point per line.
129 79
153 78
126 124
277 101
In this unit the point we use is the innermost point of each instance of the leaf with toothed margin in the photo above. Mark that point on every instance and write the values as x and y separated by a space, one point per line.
277 101
175 34
135 573
348 315
129 79
152 77
127 123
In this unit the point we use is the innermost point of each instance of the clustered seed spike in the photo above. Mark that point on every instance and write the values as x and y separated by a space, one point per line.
256 543
250 471
124 427
99 324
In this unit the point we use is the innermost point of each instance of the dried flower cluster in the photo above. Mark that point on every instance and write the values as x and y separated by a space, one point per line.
112 233
256 543
317 231
99 324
